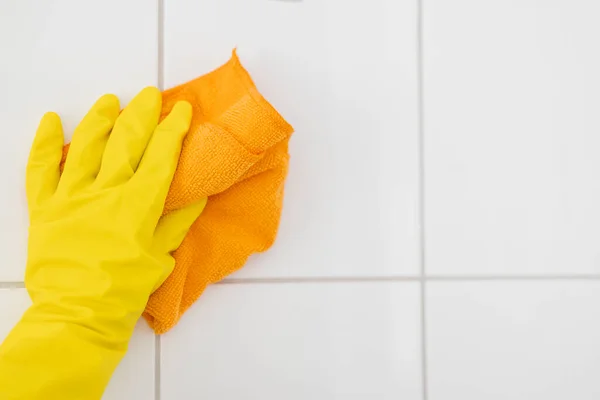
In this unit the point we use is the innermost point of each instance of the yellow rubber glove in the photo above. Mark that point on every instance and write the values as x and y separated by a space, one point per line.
98 246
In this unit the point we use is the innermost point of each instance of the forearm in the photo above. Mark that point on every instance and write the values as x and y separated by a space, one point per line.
53 358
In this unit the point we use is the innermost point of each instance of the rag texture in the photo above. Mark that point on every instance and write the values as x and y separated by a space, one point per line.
236 154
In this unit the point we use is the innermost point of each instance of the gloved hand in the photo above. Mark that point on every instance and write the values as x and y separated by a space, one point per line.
98 246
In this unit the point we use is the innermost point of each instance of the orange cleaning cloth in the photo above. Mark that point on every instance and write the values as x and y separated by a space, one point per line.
236 154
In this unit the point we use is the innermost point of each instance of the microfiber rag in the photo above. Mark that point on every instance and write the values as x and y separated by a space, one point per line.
236 154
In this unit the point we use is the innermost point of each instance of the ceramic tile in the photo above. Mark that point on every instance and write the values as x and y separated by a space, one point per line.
344 74
133 379
511 105
13 302
513 340
60 56
297 341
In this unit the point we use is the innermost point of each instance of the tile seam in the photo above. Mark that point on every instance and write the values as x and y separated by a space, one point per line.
422 194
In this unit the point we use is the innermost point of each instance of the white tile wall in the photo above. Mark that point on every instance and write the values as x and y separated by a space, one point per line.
334 310
133 379
297 341
511 102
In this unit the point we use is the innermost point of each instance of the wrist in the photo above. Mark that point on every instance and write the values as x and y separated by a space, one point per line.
103 323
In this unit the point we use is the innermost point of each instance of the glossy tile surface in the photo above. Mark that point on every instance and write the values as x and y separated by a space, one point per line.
534 340
511 99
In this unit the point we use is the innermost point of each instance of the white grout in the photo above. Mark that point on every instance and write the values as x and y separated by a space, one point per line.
422 194
157 365
12 285
321 279
160 78
464 278
414 278
424 369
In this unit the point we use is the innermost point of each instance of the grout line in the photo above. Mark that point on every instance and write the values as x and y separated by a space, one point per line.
467 278
422 194
12 285
416 278
421 144
161 46
160 78
337 279
424 369
157 361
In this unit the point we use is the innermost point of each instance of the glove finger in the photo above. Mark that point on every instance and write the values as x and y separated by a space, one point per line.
43 167
170 233
158 165
129 138
88 144
173 227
